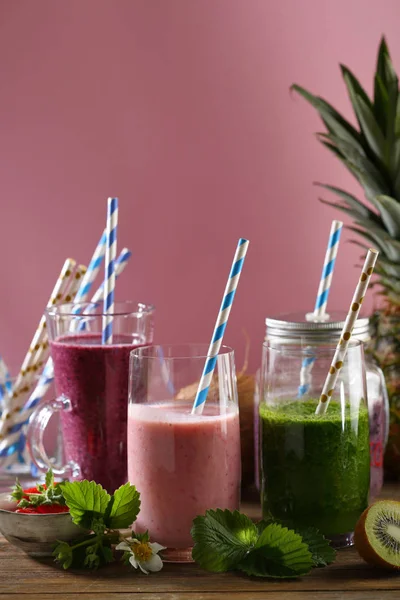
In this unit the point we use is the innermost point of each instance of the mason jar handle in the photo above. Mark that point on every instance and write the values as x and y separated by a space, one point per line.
34 437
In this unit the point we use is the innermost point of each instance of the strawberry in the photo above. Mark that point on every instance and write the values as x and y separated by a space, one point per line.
46 509
40 499
32 490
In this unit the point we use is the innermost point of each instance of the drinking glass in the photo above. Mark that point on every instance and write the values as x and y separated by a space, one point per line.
91 381
315 469
181 463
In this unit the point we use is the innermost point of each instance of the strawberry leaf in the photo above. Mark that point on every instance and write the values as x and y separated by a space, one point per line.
124 507
86 500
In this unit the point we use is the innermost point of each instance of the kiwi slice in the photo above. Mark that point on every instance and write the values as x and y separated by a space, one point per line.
377 534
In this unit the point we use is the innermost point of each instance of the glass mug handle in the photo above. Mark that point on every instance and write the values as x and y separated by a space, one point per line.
34 438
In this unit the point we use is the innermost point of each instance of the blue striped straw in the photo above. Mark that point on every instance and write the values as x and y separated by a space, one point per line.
220 326
327 270
47 376
92 270
109 280
321 302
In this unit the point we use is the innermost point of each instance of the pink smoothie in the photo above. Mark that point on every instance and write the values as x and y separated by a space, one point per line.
182 465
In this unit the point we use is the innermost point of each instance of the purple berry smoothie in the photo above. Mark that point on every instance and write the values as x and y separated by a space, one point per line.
95 378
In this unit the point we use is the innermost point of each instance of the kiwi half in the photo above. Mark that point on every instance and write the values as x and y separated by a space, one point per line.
377 534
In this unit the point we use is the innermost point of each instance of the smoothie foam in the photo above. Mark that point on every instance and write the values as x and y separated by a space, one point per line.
182 465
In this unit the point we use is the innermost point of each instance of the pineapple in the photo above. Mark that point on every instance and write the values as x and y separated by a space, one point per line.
371 152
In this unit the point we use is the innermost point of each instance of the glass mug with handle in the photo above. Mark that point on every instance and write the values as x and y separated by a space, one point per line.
91 381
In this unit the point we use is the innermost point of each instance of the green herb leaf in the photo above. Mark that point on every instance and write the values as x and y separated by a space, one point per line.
322 552
86 500
124 507
141 537
63 554
279 552
222 539
17 491
49 479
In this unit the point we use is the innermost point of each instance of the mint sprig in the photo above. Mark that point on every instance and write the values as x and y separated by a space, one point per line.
226 541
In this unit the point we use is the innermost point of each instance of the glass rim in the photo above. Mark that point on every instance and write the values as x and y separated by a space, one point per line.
140 351
69 309
304 350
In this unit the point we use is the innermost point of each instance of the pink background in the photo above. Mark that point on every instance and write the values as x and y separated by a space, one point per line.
182 109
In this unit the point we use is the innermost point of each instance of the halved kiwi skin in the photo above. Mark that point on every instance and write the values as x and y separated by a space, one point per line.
362 543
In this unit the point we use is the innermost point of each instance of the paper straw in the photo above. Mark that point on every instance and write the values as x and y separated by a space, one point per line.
19 398
25 375
92 270
321 302
68 296
5 376
220 326
327 270
120 265
345 336
47 377
109 279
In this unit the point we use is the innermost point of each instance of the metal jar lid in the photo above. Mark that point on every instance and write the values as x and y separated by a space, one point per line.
295 326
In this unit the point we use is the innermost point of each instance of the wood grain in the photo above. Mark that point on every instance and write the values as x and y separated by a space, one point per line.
349 578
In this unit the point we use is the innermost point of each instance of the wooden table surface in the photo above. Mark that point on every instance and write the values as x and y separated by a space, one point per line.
349 578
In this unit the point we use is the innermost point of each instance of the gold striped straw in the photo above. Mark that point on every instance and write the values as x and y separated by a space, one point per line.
25 376
345 335
44 350
68 295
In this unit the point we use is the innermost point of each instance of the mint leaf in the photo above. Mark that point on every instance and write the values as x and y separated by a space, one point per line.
322 552
123 507
279 552
222 539
86 500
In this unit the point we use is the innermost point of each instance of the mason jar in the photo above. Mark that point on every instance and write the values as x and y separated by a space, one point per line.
295 328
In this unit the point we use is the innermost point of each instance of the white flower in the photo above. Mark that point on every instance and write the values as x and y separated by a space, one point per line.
143 554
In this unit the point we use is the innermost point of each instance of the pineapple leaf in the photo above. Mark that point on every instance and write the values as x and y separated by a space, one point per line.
332 119
371 237
390 211
354 86
358 243
381 99
370 127
363 222
395 169
390 284
384 67
353 203
391 268
383 55
369 184
355 89
359 160
333 149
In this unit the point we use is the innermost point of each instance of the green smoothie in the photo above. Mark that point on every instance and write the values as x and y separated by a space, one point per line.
314 468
